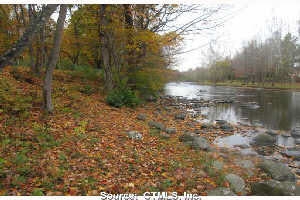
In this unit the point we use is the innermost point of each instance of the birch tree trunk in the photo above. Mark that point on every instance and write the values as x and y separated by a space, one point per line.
47 89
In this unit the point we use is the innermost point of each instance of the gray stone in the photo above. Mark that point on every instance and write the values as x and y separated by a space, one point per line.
156 125
297 141
277 170
227 127
237 184
221 191
264 140
247 164
294 153
135 135
187 137
274 188
296 132
200 143
271 132
195 141
220 122
170 130
180 116
142 117
218 165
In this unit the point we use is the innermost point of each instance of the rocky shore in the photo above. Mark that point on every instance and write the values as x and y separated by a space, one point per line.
268 159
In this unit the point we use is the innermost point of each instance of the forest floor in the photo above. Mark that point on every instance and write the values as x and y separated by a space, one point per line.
83 149
235 83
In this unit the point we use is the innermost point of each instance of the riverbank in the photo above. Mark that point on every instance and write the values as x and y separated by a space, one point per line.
86 146
276 86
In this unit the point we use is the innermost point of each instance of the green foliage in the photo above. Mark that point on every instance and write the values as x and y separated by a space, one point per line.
44 137
37 192
122 96
87 89
85 72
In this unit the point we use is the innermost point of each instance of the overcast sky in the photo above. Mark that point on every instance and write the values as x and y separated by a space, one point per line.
250 19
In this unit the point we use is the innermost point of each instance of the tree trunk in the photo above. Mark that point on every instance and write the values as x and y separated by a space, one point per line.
108 73
53 59
26 38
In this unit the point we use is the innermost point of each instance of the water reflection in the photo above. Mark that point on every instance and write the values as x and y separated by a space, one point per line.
272 109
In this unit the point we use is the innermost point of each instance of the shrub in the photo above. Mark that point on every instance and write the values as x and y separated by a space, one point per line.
122 96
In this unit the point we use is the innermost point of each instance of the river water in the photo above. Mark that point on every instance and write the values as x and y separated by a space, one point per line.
272 109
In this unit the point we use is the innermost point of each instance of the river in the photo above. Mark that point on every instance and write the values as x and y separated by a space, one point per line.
272 109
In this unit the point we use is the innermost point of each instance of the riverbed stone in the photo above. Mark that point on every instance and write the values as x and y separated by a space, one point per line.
277 170
293 152
134 135
227 127
237 184
297 140
271 132
141 117
296 132
264 139
156 125
170 130
247 164
220 122
200 143
180 116
274 188
221 191
187 137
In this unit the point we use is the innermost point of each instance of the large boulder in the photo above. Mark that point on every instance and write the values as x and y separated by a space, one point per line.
156 125
247 164
227 127
277 170
275 188
237 184
221 191
187 137
134 135
200 143
195 141
264 140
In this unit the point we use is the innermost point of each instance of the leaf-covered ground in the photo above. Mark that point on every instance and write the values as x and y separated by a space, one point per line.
82 148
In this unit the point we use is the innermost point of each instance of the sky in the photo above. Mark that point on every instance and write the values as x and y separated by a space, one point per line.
247 20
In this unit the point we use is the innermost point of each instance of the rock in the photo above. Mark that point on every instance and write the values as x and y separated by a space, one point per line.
294 153
271 132
218 165
295 132
170 130
187 137
237 184
200 143
156 125
264 140
180 116
247 164
220 122
226 127
221 191
297 141
134 135
142 117
274 188
164 136
277 170
195 141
